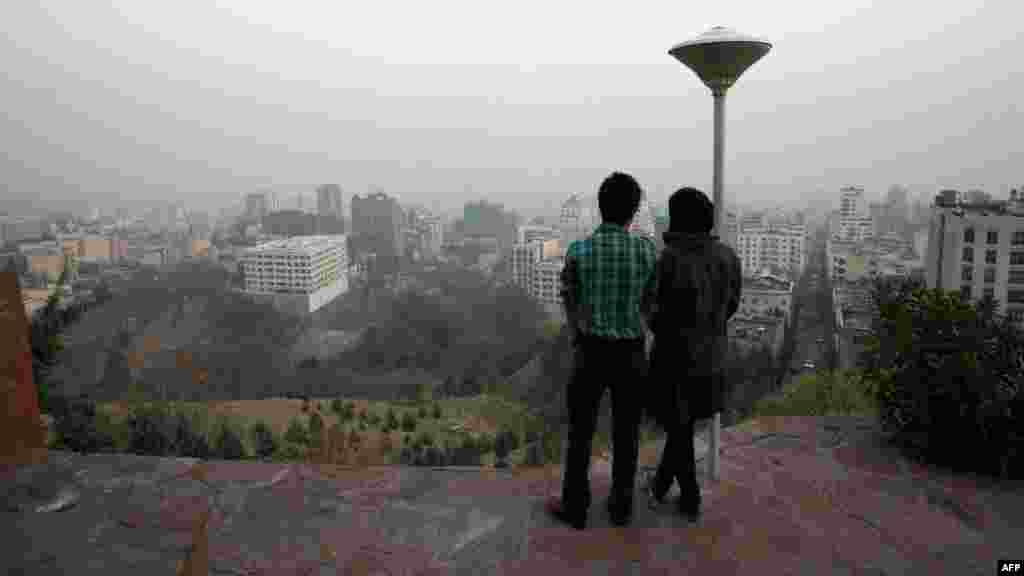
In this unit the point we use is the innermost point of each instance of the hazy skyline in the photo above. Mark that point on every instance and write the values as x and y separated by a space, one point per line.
525 103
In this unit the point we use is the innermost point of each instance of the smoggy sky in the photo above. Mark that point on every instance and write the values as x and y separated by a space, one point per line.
520 102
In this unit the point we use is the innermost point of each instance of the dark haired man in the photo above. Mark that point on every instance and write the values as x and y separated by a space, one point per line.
608 284
699 285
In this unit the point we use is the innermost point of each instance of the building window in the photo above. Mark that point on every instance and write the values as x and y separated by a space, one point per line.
989 293
990 275
1015 315
969 235
1018 238
965 292
1015 277
968 255
993 237
967 274
1015 296
990 256
1017 259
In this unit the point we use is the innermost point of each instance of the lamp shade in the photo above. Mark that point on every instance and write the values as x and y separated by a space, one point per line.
720 56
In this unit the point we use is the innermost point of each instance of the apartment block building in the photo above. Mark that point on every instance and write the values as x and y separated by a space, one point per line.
978 249
300 274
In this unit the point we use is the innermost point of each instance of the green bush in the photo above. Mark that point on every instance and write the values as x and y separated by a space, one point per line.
77 428
422 412
946 373
189 441
263 440
316 428
297 433
821 394
392 419
408 422
437 412
152 431
228 444
425 439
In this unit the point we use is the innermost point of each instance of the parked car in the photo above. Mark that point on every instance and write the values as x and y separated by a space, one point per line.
808 365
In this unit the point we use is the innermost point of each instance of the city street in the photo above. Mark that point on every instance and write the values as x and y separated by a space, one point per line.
813 323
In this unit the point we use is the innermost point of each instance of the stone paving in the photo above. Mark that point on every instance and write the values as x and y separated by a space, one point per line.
796 496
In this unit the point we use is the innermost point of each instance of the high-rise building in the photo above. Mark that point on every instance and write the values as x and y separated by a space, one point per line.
300 274
855 222
328 201
978 249
780 246
377 227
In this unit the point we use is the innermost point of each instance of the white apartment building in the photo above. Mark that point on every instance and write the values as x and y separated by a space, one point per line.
855 222
530 233
524 258
978 249
547 282
300 274
780 246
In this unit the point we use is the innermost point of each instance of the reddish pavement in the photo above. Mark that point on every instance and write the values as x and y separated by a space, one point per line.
796 496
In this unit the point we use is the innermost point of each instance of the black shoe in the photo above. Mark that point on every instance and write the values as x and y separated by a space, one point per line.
557 510
620 513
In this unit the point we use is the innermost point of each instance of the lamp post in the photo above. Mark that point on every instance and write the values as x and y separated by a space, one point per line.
719 57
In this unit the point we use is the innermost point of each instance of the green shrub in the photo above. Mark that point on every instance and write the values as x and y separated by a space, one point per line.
821 394
76 426
422 412
289 451
228 444
392 419
425 439
189 441
946 373
263 440
297 433
152 431
337 406
437 412
316 428
408 422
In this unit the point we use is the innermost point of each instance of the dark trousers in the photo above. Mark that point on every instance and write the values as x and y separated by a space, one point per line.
598 363
677 461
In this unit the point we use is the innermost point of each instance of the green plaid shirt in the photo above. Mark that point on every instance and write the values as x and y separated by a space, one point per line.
609 282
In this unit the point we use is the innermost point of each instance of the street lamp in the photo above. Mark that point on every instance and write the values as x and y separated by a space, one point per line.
719 57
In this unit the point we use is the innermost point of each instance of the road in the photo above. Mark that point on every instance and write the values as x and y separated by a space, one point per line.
814 319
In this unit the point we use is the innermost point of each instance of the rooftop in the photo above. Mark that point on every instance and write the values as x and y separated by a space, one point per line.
297 245
796 496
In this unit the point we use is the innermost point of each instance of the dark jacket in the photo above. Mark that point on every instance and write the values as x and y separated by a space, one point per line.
699 283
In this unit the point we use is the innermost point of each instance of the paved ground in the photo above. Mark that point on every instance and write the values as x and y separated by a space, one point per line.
796 496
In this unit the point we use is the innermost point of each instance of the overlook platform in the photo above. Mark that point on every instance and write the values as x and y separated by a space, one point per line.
796 496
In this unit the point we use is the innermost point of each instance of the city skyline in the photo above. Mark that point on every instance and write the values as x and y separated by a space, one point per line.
113 103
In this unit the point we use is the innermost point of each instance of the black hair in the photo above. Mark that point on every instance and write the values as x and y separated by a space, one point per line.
689 210
619 198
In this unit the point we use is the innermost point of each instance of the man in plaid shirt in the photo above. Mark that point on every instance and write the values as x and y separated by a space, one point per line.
608 289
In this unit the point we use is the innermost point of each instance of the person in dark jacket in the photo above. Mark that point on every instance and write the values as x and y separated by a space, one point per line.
699 283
